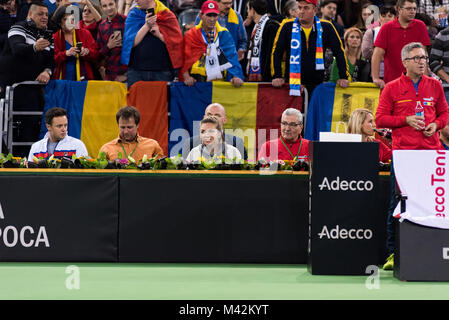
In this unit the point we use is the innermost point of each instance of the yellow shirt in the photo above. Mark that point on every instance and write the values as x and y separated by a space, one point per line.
307 32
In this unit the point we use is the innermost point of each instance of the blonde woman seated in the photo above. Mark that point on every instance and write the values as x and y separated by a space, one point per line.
212 145
361 122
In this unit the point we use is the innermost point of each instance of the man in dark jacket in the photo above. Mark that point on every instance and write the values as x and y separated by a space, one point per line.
28 54
304 48
260 41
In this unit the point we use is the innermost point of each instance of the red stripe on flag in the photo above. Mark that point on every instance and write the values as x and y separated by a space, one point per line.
271 102
151 100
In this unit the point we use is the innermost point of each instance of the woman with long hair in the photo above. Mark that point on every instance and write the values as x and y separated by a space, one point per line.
75 49
361 122
359 68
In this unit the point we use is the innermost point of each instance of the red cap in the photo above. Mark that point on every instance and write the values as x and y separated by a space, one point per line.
210 7
310 1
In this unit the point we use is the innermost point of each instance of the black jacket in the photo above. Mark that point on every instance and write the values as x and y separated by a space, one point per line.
309 76
268 36
19 62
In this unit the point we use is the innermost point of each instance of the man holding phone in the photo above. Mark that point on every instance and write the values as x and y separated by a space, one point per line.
152 43
28 55
109 40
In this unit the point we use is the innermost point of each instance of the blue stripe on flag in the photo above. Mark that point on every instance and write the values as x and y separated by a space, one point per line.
187 104
70 96
319 112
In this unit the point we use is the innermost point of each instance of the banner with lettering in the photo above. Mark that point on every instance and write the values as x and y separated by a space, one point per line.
422 176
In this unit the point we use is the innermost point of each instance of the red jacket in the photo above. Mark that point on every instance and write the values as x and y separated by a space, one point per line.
398 100
85 37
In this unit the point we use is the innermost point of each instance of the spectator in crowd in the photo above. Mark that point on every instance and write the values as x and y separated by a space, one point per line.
232 21
386 14
261 42
152 43
206 57
217 111
363 20
392 37
11 12
290 145
129 143
109 41
91 16
305 62
57 142
437 10
361 122
212 144
124 6
328 11
291 9
359 68
75 49
276 9
430 25
439 59
28 54
396 110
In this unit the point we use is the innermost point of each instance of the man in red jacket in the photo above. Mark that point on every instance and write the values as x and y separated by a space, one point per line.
396 110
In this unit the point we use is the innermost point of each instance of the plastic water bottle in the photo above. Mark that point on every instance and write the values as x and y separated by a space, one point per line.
419 109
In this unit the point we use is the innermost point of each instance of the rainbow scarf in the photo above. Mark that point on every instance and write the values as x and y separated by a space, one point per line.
295 55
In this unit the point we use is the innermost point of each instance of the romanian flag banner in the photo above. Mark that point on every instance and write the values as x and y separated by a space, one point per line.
252 111
150 98
91 107
331 106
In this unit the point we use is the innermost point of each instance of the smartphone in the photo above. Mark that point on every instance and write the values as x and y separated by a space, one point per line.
150 11
118 35
79 45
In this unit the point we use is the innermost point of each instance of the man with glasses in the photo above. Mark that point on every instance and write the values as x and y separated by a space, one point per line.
290 145
396 110
392 37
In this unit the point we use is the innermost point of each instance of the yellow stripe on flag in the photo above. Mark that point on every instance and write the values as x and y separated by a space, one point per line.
101 103
241 111
346 100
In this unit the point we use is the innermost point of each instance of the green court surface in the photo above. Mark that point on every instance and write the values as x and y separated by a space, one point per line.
108 281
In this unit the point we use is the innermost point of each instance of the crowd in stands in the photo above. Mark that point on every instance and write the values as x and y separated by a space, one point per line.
133 40
301 43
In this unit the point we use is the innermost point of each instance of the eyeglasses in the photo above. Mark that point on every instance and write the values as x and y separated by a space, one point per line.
410 8
212 15
290 124
417 59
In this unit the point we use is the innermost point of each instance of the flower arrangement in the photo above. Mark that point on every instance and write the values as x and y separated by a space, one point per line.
155 163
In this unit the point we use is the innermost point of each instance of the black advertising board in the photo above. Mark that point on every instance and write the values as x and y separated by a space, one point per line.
344 219
421 253
58 218
205 218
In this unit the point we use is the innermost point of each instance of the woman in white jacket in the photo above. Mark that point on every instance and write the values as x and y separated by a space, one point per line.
212 144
